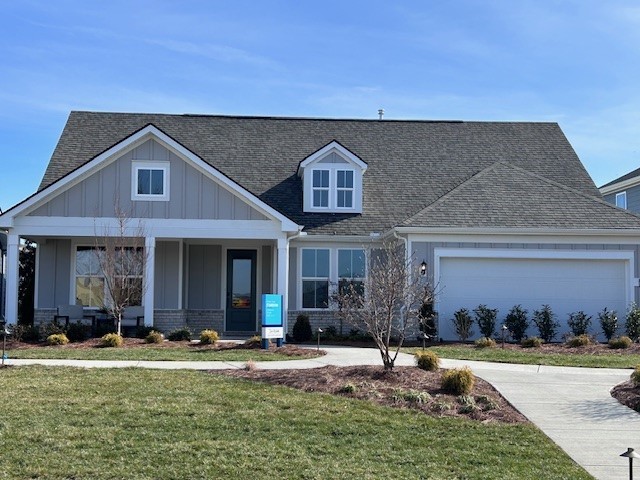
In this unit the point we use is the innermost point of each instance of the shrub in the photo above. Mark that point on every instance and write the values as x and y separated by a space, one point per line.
77 332
635 376
632 324
608 323
532 342
579 323
25 333
517 323
154 337
209 337
487 403
441 405
179 335
50 328
330 333
467 404
485 342
486 320
302 329
143 331
250 365
620 343
546 322
348 388
427 360
112 340
57 339
254 341
458 381
463 323
579 341
411 396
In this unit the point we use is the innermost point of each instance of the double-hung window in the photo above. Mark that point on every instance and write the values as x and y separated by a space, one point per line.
344 188
351 271
89 278
315 278
150 180
321 188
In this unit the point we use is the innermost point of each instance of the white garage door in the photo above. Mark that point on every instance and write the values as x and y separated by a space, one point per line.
567 285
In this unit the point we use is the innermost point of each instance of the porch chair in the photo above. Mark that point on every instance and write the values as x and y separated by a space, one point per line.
132 319
74 313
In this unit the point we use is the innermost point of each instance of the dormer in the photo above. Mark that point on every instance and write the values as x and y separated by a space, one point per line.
332 180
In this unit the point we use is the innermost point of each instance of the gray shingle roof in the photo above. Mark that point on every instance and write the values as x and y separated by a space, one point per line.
504 195
411 164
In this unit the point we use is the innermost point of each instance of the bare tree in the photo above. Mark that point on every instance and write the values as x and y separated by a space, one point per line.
388 300
121 255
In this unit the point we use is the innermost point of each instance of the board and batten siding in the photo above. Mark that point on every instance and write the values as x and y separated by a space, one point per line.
193 195
633 198
204 277
54 273
167 275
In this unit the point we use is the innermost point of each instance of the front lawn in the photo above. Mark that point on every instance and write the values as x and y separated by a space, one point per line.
96 424
600 356
137 350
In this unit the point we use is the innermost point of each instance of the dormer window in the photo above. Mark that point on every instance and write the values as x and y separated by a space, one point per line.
332 180
321 188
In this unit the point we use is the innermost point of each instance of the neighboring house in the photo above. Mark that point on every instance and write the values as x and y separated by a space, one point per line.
624 191
3 251
234 207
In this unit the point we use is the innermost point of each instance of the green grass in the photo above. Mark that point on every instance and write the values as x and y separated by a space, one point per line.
60 423
535 357
148 353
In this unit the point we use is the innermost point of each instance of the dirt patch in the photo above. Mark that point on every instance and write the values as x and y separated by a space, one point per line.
137 343
404 387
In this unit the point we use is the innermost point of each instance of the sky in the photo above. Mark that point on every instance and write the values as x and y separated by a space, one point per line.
575 62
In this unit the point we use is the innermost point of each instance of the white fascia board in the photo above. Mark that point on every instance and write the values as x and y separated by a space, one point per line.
159 228
617 187
361 239
150 131
334 145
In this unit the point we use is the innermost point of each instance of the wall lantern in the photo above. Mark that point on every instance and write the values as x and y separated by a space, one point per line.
423 268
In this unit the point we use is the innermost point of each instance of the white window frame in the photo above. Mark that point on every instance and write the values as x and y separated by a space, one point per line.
350 189
333 279
315 279
353 278
315 189
333 169
621 199
74 276
136 166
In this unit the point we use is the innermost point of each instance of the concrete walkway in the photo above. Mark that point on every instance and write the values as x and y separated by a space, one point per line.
572 406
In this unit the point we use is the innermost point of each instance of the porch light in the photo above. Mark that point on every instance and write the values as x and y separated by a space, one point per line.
630 454
423 268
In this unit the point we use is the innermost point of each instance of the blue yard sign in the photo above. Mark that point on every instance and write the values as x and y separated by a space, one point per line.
272 326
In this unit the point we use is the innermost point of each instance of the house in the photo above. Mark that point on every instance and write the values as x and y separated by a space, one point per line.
234 207
624 191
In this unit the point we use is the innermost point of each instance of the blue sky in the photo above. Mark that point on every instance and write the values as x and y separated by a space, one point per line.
572 62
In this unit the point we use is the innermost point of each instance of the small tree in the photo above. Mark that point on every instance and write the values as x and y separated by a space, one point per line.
546 322
579 323
608 323
463 323
517 323
27 282
387 301
486 320
122 257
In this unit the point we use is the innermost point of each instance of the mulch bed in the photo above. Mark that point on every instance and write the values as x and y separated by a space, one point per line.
398 388
627 394
562 348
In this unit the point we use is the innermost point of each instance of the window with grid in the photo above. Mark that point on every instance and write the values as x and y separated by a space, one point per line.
344 188
315 278
321 188
89 278
129 262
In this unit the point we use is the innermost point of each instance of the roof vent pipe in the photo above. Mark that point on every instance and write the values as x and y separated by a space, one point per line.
380 113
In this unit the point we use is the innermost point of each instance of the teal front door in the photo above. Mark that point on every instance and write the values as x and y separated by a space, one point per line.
241 291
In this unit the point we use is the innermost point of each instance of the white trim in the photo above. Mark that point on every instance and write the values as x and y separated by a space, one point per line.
623 196
148 278
623 185
8 218
36 280
164 166
627 256
330 148
180 273
12 278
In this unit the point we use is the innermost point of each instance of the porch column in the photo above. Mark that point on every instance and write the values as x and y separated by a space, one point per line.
11 293
283 278
149 279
